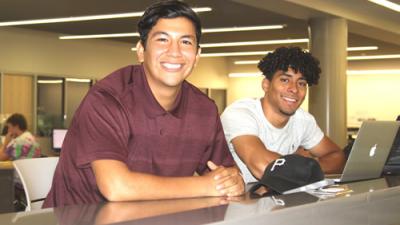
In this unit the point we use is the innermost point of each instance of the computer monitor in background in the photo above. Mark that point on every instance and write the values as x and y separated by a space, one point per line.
58 138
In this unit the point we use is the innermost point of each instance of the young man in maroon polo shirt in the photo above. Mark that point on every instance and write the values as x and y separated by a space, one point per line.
143 131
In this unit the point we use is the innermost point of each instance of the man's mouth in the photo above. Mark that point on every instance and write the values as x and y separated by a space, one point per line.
291 100
172 66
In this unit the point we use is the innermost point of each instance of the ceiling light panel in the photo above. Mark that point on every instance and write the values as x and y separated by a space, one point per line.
204 30
248 43
362 48
93 36
220 54
84 18
365 57
249 28
387 4
373 72
244 75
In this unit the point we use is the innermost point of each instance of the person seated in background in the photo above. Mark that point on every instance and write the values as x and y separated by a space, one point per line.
19 143
143 131
259 131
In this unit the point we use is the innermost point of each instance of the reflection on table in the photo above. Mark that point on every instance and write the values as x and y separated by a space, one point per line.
370 202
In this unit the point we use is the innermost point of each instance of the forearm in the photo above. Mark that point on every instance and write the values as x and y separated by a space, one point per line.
330 156
117 183
140 186
259 163
254 154
333 162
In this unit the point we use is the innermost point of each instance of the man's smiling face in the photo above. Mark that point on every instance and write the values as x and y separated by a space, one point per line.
171 52
285 92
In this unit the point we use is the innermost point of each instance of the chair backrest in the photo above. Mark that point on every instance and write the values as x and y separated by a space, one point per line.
36 175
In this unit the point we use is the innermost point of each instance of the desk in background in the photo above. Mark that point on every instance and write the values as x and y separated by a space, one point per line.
6 187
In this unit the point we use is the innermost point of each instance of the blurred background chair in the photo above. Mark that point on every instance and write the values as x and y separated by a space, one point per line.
36 176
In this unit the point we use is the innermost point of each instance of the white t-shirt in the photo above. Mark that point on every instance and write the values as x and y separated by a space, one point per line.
246 117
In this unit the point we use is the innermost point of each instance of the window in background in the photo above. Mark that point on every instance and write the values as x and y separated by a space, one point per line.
218 95
50 104
57 101
75 91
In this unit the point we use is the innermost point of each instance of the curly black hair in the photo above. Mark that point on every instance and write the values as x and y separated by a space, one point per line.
291 57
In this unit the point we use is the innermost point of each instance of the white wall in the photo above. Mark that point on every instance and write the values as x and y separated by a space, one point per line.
372 97
210 73
42 53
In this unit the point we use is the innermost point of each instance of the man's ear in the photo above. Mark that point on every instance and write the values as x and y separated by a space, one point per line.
265 84
140 51
197 57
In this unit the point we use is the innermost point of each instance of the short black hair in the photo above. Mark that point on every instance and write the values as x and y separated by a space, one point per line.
169 10
19 120
291 57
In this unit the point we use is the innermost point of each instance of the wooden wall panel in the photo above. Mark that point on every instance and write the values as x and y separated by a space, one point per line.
17 96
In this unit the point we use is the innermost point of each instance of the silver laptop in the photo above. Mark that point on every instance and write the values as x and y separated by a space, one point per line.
369 152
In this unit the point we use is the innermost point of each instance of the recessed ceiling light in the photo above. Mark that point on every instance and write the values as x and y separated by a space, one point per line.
219 54
387 4
244 74
373 72
246 62
205 30
92 36
247 43
249 28
49 81
364 57
349 72
85 18
78 80
362 48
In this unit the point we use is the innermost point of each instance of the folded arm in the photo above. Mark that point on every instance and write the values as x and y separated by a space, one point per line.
254 154
117 183
330 156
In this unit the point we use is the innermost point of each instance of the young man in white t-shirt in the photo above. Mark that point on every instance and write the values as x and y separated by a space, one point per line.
259 131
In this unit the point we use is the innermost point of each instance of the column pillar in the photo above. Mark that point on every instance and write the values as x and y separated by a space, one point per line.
328 99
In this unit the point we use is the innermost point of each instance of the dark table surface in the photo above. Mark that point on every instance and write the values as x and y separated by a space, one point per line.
365 202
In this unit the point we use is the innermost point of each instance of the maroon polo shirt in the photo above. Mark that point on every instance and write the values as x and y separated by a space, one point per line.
120 119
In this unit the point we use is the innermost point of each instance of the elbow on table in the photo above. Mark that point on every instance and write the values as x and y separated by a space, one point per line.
116 191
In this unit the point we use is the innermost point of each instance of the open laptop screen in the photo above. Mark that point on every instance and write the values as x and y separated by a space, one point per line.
393 162
58 138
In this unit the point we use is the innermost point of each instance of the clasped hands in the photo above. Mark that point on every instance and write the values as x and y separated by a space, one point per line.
226 181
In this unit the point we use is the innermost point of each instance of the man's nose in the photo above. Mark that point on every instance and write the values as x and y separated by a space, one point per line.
293 87
174 49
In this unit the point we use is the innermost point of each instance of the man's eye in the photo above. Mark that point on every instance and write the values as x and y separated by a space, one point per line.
187 42
284 80
161 39
303 84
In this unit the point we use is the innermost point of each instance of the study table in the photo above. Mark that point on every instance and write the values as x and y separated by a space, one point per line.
365 202
6 186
